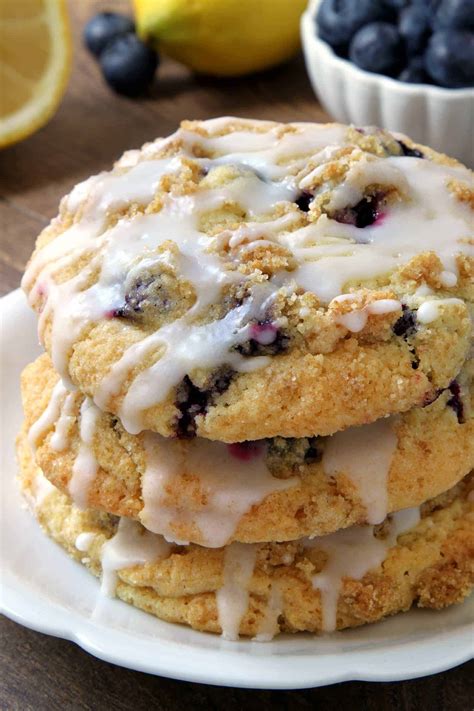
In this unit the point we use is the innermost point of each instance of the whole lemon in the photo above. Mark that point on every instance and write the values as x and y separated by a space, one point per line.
222 37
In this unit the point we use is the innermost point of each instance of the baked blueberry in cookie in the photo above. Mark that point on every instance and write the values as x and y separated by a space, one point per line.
410 152
193 401
147 293
363 214
304 201
406 324
265 339
455 402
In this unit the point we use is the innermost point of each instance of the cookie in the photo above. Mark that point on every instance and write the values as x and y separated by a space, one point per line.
212 493
244 279
349 578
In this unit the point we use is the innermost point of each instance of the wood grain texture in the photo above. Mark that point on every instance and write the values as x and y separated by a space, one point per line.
91 129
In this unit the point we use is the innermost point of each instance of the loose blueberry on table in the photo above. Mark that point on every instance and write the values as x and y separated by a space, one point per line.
104 27
128 65
415 41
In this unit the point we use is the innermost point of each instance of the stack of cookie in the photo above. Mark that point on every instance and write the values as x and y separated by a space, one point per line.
254 413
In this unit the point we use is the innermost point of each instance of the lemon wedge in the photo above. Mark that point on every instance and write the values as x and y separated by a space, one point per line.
35 60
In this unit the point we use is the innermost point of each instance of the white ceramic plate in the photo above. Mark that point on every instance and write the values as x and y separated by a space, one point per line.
45 590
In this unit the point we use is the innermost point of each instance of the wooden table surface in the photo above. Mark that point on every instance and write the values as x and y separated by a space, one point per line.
90 130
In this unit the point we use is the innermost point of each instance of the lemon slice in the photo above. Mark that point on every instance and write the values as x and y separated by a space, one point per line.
35 60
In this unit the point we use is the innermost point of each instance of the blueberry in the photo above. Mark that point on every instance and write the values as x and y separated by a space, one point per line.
338 20
192 401
432 5
366 212
396 4
266 340
449 59
377 47
410 152
304 201
454 14
406 325
455 402
414 25
414 72
128 65
363 214
145 294
313 454
104 27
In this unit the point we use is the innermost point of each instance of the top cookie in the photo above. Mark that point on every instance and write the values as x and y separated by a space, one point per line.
245 279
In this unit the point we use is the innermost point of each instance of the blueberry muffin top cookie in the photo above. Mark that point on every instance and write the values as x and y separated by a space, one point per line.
244 279
212 493
346 579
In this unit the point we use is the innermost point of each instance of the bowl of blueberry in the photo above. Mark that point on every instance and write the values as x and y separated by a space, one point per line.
406 65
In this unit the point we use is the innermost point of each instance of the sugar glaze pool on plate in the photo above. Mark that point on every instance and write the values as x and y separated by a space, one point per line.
43 589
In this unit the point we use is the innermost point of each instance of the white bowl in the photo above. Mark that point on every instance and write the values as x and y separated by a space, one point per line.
438 117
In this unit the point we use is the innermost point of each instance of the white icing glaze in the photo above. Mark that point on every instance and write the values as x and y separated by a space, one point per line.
131 545
228 484
322 157
233 597
368 171
266 153
269 625
364 455
84 541
356 319
353 552
184 346
255 232
429 310
41 488
101 193
85 465
59 438
275 167
49 416
448 279
439 221
423 290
